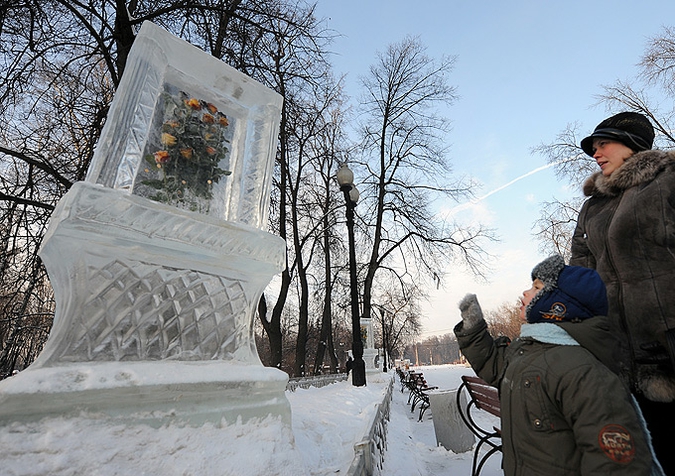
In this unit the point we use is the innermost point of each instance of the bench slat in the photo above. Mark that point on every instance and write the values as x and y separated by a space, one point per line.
485 396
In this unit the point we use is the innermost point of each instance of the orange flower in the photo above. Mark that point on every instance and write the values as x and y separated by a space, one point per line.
168 139
187 153
208 118
210 150
161 157
193 103
172 123
222 120
212 109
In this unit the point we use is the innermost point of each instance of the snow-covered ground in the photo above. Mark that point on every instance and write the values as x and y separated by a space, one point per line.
412 448
326 422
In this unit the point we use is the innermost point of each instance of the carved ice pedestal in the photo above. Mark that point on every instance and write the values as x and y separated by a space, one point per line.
154 313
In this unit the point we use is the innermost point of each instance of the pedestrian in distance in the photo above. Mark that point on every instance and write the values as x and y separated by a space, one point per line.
563 410
626 231
349 365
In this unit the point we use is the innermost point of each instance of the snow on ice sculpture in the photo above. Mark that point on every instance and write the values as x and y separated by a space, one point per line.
158 259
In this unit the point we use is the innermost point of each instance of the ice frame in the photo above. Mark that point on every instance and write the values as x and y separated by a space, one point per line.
161 64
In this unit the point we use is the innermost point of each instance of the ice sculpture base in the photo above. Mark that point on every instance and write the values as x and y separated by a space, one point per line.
152 393
154 316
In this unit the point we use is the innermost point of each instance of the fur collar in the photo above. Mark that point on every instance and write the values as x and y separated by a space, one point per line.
639 168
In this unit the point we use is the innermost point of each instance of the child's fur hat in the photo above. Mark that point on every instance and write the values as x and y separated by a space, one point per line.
570 293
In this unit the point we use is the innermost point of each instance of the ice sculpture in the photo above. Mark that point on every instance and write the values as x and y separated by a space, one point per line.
370 353
158 259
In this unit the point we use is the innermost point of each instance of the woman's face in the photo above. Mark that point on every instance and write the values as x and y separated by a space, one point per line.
528 295
610 155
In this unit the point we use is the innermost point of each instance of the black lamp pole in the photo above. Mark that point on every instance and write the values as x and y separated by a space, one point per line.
345 178
384 341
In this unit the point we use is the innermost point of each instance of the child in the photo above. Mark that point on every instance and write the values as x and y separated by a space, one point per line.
563 410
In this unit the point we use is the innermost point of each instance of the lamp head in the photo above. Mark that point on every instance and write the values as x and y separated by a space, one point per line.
345 176
354 194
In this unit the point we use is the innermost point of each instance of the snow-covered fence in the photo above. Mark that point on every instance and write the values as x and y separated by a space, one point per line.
314 381
369 452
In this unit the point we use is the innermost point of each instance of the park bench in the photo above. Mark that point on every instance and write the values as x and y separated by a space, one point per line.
482 397
407 379
418 388
420 396
403 377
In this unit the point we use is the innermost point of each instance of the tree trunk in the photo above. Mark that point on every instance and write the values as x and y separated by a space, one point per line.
326 335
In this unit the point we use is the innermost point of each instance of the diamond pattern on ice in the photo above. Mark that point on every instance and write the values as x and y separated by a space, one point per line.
139 312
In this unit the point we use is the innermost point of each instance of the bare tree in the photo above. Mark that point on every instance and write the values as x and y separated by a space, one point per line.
300 72
404 158
555 226
398 317
505 320
329 152
434 350
658 61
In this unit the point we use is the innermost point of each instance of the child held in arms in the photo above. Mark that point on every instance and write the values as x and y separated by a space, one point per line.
563 410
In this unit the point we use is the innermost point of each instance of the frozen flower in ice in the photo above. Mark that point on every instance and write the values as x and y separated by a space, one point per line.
193 139
168 139
161 157
193 103
222 120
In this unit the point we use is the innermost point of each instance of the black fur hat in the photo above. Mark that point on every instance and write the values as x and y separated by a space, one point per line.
630 128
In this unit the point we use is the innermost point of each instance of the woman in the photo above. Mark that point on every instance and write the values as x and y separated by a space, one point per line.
626 231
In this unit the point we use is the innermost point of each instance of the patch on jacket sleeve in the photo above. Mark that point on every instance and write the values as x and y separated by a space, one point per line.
617 443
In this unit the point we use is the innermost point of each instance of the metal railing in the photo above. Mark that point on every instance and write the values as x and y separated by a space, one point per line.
314 381
369 452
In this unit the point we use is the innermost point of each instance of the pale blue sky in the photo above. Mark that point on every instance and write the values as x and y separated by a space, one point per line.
524 70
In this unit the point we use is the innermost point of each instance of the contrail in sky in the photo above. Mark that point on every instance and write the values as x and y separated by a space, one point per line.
508 184
463 206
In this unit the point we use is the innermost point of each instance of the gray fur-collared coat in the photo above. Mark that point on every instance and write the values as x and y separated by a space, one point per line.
626 231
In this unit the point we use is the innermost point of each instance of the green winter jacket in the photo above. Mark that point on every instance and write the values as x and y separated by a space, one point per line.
563 411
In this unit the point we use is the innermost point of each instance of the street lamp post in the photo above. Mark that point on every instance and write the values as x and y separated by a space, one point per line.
345 179
384 339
